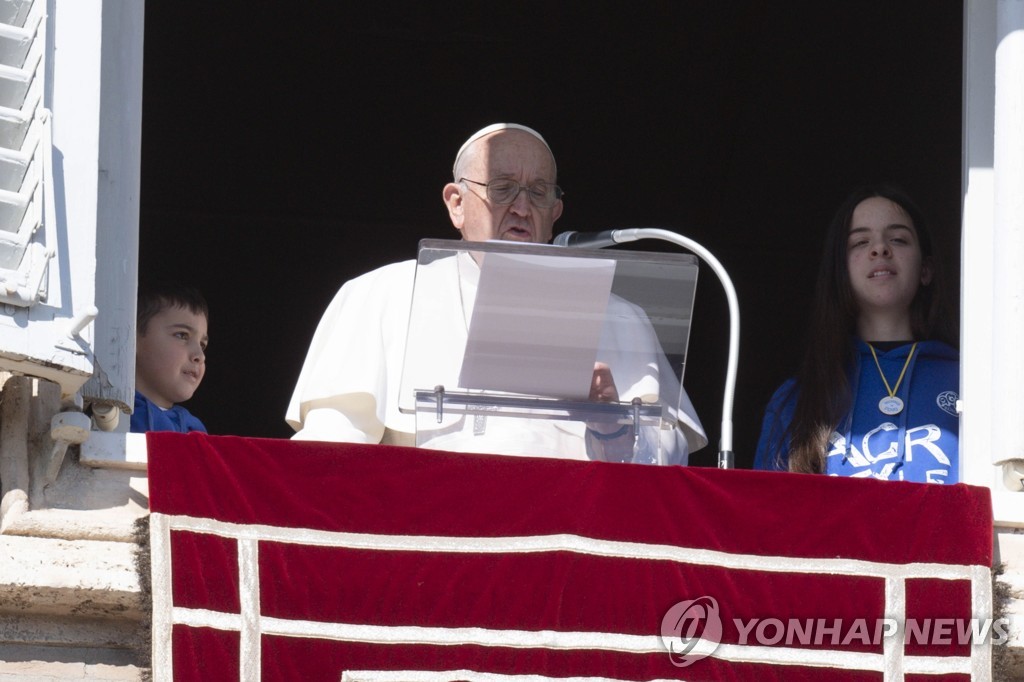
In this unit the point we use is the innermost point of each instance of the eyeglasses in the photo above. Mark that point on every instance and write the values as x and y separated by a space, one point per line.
504 191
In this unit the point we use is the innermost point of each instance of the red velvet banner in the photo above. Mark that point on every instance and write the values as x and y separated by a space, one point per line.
283 560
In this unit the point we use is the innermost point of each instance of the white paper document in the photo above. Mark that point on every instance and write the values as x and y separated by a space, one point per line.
536 324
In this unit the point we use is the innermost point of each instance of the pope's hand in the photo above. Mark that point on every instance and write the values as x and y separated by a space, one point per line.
602 385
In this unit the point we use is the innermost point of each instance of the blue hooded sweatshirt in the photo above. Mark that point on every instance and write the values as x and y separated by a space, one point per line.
148 416
920 444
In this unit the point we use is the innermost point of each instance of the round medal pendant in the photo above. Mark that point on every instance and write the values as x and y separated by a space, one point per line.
890 405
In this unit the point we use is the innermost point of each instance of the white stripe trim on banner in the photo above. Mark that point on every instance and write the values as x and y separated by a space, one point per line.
475 675
163 604
250 665
892 662
566 641
893 646
571 543
981 607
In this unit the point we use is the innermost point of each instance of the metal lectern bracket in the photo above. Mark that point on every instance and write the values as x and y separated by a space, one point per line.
636 424
439 397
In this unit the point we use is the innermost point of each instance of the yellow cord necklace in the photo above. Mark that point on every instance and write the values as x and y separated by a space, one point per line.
891 405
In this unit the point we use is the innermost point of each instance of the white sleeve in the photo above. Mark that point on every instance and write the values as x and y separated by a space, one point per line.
329 424
346 367
630 347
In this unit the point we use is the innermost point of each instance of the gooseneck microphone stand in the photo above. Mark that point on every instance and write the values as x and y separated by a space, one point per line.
609 237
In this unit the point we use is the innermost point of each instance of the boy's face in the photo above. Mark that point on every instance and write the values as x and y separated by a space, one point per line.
170 357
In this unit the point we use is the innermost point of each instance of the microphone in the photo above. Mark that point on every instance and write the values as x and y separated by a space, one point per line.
597 240
587 240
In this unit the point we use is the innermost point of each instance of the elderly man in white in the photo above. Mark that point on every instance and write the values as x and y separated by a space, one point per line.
504 187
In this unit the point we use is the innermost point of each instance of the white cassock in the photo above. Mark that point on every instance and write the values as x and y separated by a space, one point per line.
349 386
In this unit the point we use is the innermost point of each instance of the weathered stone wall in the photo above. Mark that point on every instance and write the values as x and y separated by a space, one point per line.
71 607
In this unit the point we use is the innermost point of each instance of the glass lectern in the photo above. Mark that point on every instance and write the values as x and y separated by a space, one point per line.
525 361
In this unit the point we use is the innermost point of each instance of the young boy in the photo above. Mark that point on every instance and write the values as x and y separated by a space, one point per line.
170 357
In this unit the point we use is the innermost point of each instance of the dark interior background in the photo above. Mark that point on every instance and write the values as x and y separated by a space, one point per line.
289 146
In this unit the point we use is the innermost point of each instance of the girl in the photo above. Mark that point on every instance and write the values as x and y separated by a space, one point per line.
876 392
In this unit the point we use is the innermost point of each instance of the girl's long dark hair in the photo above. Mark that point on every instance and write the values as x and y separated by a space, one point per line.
823 386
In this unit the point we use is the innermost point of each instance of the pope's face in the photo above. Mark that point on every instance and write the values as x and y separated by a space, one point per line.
511 154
